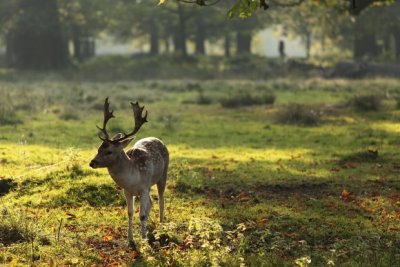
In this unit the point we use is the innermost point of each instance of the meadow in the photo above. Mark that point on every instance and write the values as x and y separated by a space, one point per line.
301 172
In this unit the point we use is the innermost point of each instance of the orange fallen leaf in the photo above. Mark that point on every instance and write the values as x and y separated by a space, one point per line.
244 196
345 194
108 238
134 254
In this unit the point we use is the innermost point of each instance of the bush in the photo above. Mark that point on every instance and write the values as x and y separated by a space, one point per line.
246 99
299 114
366 102
200 99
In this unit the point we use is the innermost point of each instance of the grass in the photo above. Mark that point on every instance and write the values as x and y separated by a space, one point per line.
242 188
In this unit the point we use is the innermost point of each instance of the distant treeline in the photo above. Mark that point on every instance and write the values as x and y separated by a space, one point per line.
48 34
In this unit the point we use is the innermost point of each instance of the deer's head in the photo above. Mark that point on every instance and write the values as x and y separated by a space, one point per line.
111 148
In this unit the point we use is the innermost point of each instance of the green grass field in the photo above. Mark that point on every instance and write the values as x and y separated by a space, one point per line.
258 185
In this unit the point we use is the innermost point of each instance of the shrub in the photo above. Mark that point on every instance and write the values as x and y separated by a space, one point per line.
200 99
299 114
203 99
246 99
366 102
268 99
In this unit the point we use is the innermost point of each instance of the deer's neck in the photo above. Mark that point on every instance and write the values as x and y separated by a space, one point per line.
122 171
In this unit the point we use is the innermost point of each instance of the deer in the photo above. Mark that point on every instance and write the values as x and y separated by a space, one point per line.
135 170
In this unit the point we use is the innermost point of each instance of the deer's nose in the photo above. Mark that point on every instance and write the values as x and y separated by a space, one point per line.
92 164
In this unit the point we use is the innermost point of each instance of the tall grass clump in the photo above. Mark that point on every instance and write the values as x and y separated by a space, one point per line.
300 114
368 102
16 228
397 99
246 99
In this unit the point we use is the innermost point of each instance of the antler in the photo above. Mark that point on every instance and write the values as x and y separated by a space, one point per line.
139 121
107 115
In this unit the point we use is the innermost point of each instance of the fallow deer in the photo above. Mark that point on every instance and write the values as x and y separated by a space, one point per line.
135 170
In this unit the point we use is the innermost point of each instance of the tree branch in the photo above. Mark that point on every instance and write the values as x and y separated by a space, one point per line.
290 4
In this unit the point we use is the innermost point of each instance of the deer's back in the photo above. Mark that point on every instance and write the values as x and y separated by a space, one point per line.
151 156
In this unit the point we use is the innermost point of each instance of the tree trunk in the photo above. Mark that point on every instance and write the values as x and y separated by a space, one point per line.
92 47
396 35
308 45
76 42
243 43
10 57
38 45
154 38
227 45
167 45
365 45
180 33
200 39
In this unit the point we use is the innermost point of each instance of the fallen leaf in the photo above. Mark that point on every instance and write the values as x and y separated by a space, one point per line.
331 207
107 238
243 196
134 254
71 216
350 165
345 194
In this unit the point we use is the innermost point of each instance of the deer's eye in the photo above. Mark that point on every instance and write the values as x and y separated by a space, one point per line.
108 153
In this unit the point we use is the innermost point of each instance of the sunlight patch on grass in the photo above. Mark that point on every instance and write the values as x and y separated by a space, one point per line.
390 127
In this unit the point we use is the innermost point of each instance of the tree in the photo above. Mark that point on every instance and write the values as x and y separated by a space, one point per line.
34 38
143 20
82 20
246 8
37 32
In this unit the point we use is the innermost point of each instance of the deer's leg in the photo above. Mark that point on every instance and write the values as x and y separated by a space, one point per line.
145 206
161 189
129 202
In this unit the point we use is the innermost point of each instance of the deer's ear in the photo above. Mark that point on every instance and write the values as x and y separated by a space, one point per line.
125 143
